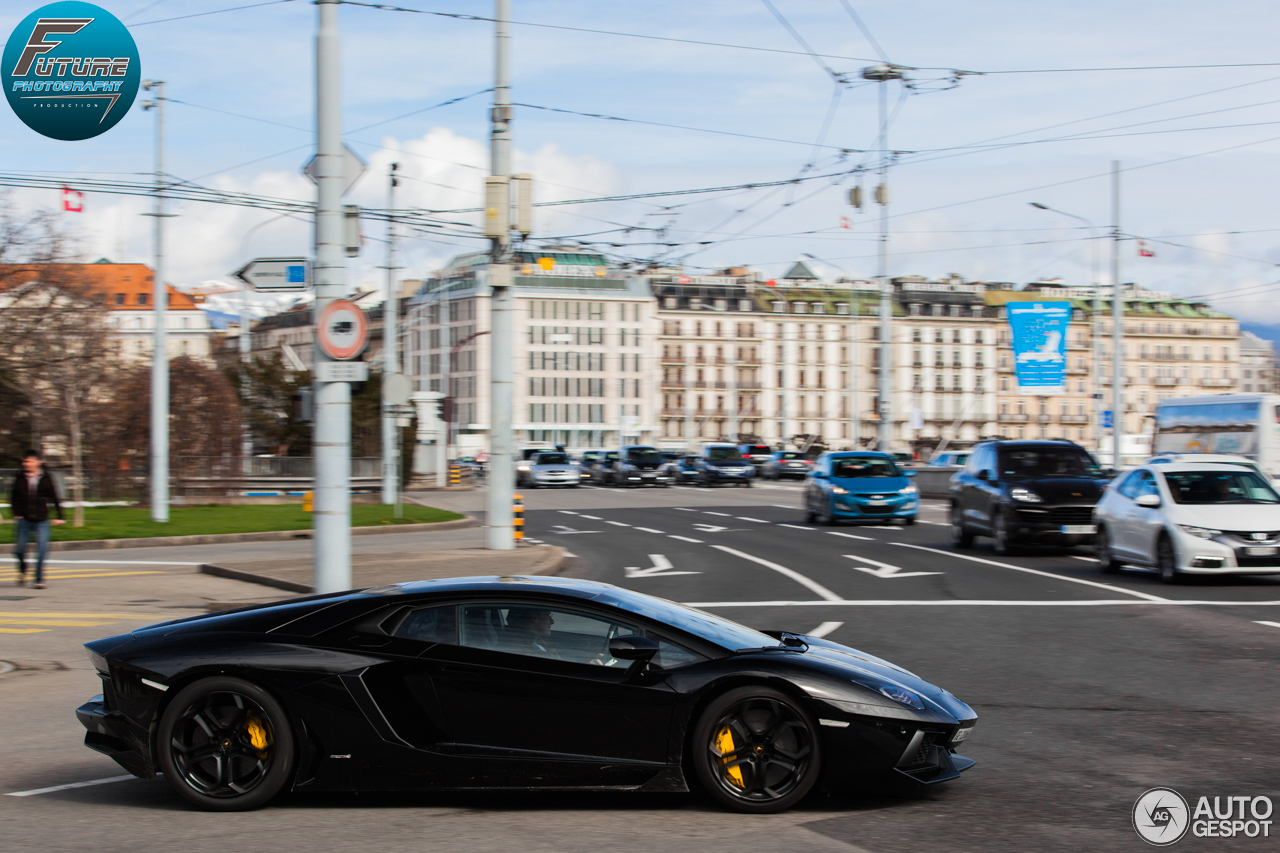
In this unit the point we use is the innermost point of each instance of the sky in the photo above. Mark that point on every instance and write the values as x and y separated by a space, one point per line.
1198 146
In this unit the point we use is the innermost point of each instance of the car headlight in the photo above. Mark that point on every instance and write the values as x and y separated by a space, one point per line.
524 467
1201 532
901 695
99 662
1020 494
909 490
837 490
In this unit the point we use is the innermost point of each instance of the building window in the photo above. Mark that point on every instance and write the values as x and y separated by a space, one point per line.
779 307
798 307
842 307
142 299
819 308
915 309
744 304
119 298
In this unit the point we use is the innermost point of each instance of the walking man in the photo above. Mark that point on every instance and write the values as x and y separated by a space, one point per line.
29 498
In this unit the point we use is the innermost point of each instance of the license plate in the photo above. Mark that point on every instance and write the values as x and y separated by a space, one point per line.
876 503
1077 529
1261 552
961 735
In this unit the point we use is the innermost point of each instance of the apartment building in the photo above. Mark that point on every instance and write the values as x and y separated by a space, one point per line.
1257 365
584 349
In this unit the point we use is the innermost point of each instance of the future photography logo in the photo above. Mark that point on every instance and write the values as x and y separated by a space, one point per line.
70 70
1162 817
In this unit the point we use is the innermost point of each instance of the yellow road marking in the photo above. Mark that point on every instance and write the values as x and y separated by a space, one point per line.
80 574
22 630
54 623
40 614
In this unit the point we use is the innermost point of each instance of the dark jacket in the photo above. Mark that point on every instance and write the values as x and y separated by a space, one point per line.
33 507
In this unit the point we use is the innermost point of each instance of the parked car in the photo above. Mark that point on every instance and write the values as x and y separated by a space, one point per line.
1205 518
550 468
723 463
861 485
786 463
1026 492
949 457
524 458
636 465
602 468
587 463
1229 458
683 470
756 454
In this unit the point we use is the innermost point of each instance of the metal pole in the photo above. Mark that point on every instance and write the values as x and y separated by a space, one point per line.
499 531
390 360
1117 314
442 437
734 426
886 286
332 439
855 415
160 344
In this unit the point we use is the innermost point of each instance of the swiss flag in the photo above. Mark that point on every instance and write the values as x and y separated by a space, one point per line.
772 283
1144 251
845 223
72 201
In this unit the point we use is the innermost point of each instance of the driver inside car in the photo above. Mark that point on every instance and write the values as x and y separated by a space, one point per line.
527 632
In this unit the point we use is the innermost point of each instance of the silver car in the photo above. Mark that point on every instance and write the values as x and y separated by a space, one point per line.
552 468
1203 518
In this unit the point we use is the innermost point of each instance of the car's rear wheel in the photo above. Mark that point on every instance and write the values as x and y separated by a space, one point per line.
756 749
960 535
1167 561
1102 551
1000 536
225 744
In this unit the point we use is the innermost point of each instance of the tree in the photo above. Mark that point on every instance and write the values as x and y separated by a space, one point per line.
267 389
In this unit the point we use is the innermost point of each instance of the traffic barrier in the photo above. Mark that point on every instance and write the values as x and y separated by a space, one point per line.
455 475
517 513
308 501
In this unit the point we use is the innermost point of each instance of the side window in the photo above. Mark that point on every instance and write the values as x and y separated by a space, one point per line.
429 625
671 656
987 462
544 632
1132 485
1147 485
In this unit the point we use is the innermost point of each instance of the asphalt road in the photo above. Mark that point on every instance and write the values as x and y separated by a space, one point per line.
1090 689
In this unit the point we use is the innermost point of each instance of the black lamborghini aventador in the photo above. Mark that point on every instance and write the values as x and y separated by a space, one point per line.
508 683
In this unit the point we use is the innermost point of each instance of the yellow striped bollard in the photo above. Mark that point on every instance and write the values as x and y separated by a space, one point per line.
517 516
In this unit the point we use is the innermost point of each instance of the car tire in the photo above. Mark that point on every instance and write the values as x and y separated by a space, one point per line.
779 759
1167 561
1102 551
747 484
908 521
1000 537
961 537
215 718
828 517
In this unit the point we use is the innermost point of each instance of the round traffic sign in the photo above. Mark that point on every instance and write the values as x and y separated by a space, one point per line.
342 330
396 388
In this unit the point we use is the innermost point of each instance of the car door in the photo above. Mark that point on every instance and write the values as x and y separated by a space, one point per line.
1127 515
532 679
962 489
984 494
1147 521
815 495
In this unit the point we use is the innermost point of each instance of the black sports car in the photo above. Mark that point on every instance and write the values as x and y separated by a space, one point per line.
513 682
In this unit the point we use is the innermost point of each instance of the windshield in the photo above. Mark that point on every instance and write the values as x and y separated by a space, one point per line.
1219 487
713 629
719 454
643 454
1047 462
551 459
758 448
611 456
791 454
863 466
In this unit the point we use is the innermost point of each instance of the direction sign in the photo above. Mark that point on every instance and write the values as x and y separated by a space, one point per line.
352 168
342 330
1106 419
276 274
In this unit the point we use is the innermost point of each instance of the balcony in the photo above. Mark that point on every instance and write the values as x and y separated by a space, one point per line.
672 383
673 359
749 386
1044 419
1217 383
1074 419
699 384
1005 417
1167 381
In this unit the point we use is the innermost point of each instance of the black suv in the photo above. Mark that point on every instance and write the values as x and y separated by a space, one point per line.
1026 492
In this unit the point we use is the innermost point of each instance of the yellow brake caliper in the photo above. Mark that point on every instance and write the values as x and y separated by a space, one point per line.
257 734
724 743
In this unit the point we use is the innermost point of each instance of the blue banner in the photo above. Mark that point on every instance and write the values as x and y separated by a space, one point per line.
1040 345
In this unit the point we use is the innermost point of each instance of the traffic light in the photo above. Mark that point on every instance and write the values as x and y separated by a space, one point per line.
304 405
444 409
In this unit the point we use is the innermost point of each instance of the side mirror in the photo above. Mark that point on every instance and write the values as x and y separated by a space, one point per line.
984 474
1149 501
632 647
910 473
1109 473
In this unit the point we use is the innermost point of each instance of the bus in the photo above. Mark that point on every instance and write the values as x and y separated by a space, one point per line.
1242 424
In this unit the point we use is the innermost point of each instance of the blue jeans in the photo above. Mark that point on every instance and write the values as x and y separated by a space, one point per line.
25 529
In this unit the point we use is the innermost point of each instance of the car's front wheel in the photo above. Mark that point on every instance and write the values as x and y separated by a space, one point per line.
1167 561
960 535
225 744
1000 535
756 750
1102 551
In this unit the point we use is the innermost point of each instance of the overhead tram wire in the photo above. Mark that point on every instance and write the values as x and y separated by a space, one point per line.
213 12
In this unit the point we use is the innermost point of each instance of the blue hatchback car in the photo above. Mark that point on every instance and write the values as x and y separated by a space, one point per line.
860 486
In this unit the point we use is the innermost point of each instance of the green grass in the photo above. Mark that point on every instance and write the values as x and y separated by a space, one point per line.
128 523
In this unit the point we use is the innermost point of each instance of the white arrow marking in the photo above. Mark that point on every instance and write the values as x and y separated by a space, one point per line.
661 566
884 570
709 528
561 529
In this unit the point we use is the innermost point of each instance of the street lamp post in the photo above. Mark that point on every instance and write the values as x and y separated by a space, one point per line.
1098 345
160 344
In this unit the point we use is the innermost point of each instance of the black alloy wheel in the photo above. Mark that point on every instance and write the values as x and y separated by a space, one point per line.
961 537
225 744
1000 535
1102 551
756 750
1167 561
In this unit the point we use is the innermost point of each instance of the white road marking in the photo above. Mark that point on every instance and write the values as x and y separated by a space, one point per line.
853 536
781 506
756 520
1107 587
1270 624
724 514
661 566
884 570
68 787
709 528
926 521
685 538
648 530
824 629
593 517
1086 559
566 531
618 523
794 575
567 512
797 527
683 509
952 602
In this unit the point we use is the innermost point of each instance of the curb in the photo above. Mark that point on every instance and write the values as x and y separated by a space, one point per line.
261 536
552 564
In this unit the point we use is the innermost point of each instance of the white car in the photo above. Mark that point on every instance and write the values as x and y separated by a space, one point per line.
1204 518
